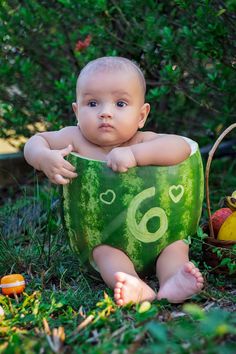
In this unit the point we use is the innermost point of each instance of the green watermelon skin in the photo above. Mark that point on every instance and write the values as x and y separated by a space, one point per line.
140 211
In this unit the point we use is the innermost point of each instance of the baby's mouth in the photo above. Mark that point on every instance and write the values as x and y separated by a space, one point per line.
105 125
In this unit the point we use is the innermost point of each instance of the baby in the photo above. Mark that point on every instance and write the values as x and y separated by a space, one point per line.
110 109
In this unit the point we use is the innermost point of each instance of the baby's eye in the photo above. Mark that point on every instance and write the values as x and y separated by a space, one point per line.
121 104
92 103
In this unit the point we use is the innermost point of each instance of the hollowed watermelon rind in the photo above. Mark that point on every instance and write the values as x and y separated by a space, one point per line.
123 209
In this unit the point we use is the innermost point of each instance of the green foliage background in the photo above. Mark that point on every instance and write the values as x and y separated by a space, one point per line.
187 50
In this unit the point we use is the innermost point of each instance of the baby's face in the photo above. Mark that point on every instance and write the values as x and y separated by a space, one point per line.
110 107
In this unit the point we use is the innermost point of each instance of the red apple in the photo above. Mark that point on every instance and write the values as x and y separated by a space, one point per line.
219 217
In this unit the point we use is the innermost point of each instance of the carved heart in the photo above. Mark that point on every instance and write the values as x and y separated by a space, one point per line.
108 197
176 193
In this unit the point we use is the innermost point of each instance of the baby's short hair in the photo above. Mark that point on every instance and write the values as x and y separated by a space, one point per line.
113 63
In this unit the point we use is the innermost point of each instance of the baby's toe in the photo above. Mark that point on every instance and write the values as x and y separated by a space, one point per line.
199 286
199 277
120 302
120 277
117 297
197 271
188 267
119 285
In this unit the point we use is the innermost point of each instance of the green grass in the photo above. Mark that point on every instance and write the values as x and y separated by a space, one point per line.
64 310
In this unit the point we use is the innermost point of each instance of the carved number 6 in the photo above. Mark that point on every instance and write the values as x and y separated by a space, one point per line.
140 230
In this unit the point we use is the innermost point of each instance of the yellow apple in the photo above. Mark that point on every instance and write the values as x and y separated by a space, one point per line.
228 229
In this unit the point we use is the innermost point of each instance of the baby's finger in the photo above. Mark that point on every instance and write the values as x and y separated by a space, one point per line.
122 169
68 166
67 150
68 174
114 167
109 163
58 179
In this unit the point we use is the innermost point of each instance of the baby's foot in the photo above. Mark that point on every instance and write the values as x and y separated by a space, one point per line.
131 289
185 283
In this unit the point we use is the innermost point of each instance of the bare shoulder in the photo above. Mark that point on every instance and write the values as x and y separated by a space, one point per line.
59 139
62 132
177 145
140 137
148 135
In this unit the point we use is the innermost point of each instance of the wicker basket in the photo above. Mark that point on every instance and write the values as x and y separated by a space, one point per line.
215 250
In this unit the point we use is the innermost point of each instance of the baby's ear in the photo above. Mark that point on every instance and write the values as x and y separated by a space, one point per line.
145 109
74 106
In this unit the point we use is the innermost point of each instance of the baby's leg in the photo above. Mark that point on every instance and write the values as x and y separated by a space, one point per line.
179 279
119 274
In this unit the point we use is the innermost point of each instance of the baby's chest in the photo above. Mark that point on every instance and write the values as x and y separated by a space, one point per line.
91 151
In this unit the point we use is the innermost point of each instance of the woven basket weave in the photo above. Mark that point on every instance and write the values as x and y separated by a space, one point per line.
215 250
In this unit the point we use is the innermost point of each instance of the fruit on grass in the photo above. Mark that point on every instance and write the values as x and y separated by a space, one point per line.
145 306
230 202
12 284
219 217
233 194
228 229
140 211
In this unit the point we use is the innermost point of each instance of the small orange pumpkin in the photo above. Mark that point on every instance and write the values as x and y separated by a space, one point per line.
12 284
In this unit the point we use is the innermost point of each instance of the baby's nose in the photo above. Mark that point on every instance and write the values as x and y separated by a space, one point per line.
106 111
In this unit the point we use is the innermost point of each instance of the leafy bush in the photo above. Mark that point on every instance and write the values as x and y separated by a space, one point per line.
185 48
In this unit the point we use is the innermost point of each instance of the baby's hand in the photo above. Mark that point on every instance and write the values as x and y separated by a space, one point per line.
56 168
121 159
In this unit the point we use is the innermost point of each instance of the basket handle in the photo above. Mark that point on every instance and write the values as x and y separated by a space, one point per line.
210 156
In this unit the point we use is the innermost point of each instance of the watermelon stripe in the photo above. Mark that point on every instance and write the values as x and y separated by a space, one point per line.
140 211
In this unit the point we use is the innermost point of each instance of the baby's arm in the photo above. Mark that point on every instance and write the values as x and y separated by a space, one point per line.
46 152
162 150
154 149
